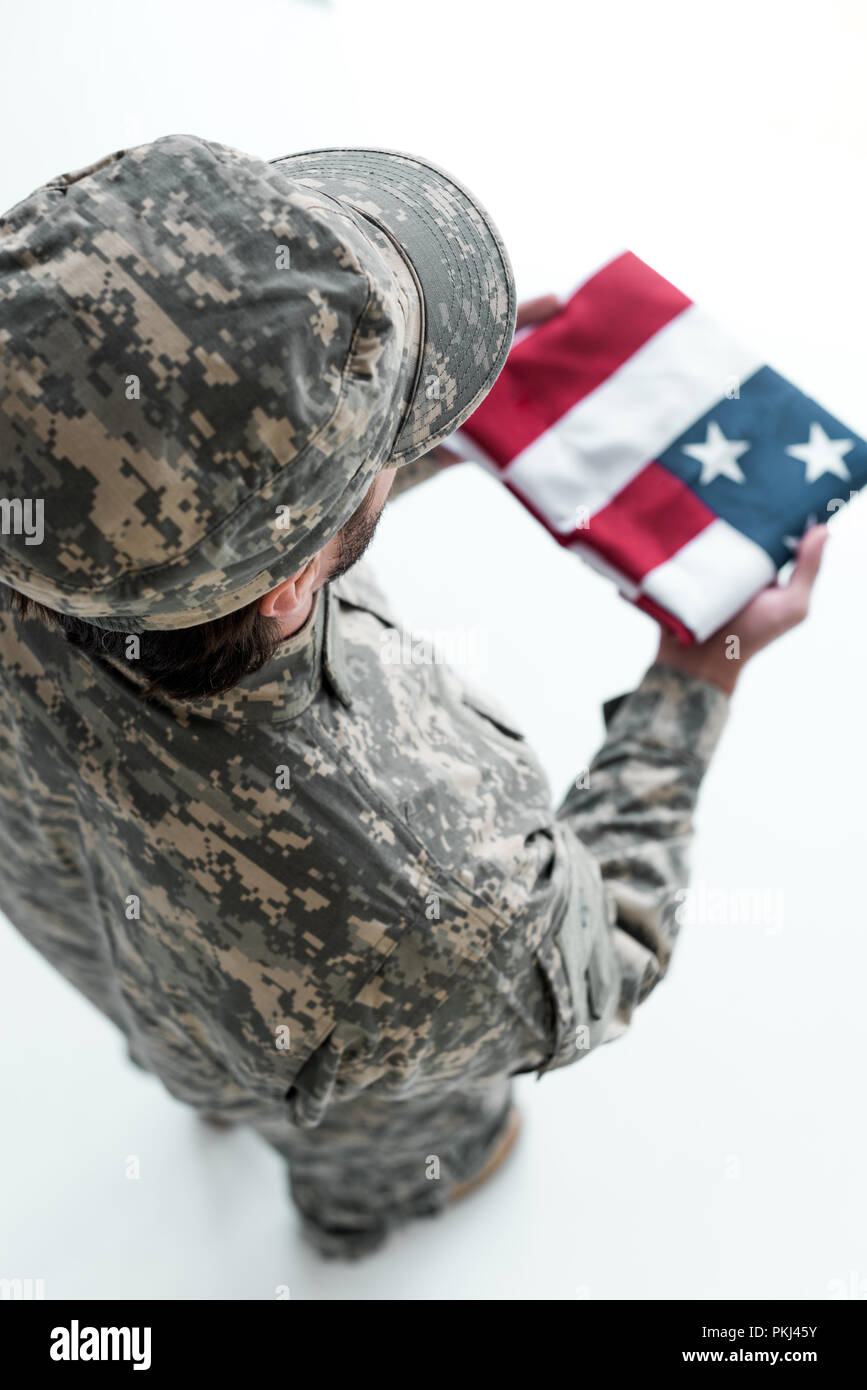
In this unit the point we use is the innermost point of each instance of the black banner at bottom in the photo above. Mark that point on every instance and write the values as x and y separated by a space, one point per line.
81 1337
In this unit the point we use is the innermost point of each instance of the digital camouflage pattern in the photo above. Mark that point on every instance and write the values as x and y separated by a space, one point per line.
409 907
335 903
465 278
207 358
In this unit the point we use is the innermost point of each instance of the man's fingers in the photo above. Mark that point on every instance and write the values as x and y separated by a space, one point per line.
537 310
804 574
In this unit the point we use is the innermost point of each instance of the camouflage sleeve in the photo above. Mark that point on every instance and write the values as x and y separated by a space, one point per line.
633 811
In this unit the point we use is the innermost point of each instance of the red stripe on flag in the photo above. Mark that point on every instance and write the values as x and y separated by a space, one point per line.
646 523
555 366
666 619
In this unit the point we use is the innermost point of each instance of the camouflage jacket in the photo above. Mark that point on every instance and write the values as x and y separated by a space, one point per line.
344 875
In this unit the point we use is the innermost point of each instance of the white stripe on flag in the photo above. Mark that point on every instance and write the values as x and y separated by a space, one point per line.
599 445
710 578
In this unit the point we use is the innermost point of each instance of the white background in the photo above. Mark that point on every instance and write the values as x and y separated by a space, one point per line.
718 1149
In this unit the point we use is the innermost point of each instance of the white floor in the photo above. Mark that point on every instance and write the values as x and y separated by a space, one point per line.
717 1150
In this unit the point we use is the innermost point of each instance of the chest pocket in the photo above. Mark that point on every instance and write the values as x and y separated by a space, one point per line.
483 792
491 711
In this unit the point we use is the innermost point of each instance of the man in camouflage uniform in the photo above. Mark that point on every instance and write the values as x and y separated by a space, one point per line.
332 899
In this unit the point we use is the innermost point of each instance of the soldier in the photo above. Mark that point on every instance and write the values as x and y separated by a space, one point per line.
320 892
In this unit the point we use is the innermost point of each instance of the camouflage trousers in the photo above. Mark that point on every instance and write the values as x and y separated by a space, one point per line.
372 1165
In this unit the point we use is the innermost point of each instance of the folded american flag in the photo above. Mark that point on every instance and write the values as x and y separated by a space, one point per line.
668 455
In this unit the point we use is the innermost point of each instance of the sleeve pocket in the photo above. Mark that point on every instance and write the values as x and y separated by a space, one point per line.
583 989
567 1008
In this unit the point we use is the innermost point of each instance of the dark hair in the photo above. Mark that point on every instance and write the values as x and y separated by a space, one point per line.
193 663
189 663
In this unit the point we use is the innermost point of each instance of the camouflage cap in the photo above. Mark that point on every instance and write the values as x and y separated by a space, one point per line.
206 358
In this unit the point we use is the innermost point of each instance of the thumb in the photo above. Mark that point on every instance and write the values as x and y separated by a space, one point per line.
803 578
537 310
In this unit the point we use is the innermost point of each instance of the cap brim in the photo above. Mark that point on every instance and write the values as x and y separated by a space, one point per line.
463 271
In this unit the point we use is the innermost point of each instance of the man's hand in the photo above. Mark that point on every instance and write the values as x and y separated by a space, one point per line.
537 310
771 613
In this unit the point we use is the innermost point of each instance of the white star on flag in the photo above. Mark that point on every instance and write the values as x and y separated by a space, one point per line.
821 454
718 455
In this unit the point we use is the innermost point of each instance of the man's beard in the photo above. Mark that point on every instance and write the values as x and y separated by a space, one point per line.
354 537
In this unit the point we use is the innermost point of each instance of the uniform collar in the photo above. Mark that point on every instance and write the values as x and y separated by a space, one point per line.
286 685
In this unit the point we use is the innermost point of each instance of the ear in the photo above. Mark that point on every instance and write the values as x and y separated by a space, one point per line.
291 596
